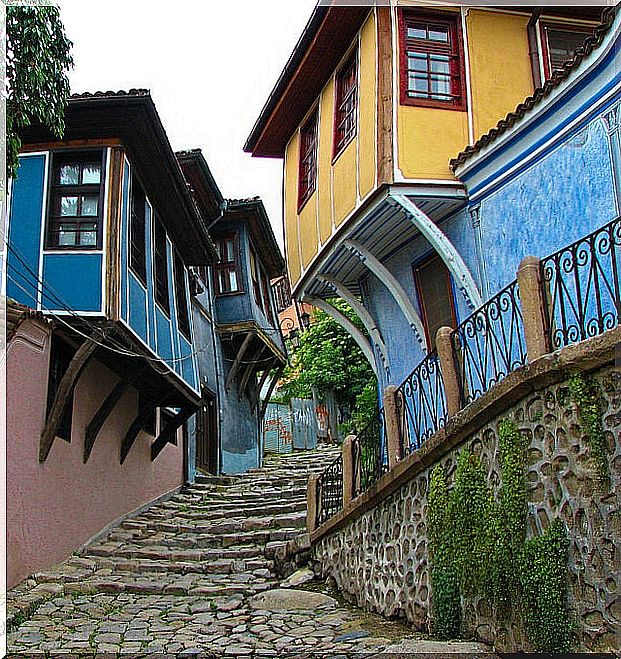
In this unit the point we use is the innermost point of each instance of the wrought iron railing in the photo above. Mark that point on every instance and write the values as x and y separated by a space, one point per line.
370 456
583 286
421 404
281 291
490 343
330 491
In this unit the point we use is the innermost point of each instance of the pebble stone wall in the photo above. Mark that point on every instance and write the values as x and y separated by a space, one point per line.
379 560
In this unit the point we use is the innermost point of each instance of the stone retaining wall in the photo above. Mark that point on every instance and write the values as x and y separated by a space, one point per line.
378 557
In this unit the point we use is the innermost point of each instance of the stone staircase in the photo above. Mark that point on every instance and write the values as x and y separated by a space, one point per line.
217 537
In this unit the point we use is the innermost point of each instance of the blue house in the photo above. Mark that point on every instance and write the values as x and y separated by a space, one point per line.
241 348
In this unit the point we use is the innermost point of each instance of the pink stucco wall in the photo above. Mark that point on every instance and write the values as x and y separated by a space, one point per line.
54 507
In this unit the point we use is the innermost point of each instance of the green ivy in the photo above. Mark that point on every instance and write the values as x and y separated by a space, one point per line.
478 547
587 396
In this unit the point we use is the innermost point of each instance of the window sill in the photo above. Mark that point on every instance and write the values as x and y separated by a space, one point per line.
230 293
437 105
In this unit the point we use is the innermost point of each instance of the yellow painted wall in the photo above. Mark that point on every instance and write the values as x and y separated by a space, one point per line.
307 227
344 190
340 183
324 172
427 139
290 208
501 74
367 168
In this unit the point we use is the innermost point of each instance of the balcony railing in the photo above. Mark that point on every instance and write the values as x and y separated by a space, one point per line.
582 285
490 344
421 404
369 455
580 290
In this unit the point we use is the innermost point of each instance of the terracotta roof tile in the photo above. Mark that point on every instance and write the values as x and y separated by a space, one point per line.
110 94
569 67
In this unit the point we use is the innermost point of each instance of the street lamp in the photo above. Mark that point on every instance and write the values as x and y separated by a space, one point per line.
287 326
305 318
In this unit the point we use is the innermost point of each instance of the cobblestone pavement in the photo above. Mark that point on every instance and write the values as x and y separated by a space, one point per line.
191 575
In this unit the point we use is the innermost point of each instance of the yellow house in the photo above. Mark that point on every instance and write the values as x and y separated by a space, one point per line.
367 114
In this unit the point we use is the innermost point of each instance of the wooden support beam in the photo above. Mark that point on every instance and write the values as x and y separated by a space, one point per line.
138 424
168 433
262 381
238 358
269 392
106 408
249 370
63 394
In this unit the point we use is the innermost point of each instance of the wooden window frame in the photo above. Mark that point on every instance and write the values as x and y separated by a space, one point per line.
228 265
455 50
56 190
546 24
138 258
416 267
181 296
161 287
307 161
345 111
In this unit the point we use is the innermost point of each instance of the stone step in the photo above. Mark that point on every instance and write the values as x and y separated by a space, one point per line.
163 563
228 511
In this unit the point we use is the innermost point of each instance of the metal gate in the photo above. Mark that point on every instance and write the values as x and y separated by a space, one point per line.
277 429
304 423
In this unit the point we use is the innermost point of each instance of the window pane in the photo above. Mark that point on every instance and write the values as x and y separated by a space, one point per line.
439 64
69 206
88 234
90 206
232 280
417 62
438 34
69 175
418 83
91 174
66 235
230 250
440 86
417 32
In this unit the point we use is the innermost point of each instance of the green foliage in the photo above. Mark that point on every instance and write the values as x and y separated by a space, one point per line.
544 590
477 546
587 395
38 56
328 358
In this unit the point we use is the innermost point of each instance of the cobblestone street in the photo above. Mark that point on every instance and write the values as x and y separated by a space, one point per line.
194 574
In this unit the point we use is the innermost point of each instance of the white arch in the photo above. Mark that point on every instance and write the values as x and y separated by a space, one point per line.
394 287
443 246
363 314
349 327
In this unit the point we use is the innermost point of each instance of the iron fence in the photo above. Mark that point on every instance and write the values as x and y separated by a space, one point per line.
490 343
583 286
330 491
421 404
370 454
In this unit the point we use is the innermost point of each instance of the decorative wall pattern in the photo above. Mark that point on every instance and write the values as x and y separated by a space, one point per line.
379 560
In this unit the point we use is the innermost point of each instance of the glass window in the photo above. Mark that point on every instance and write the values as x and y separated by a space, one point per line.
137 232
226 271
76 198
183 318
560 43
160 264
345 115
307 179
431 60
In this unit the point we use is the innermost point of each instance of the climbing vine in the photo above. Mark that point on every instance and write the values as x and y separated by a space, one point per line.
587 396
478 547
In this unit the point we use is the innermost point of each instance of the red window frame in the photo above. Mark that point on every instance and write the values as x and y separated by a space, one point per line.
544 26
453 49
307 174
417 269
345 105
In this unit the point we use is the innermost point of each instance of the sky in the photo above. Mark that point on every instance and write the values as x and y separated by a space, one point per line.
210 67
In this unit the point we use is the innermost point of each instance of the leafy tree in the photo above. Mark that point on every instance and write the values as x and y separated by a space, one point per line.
328 358
37 59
